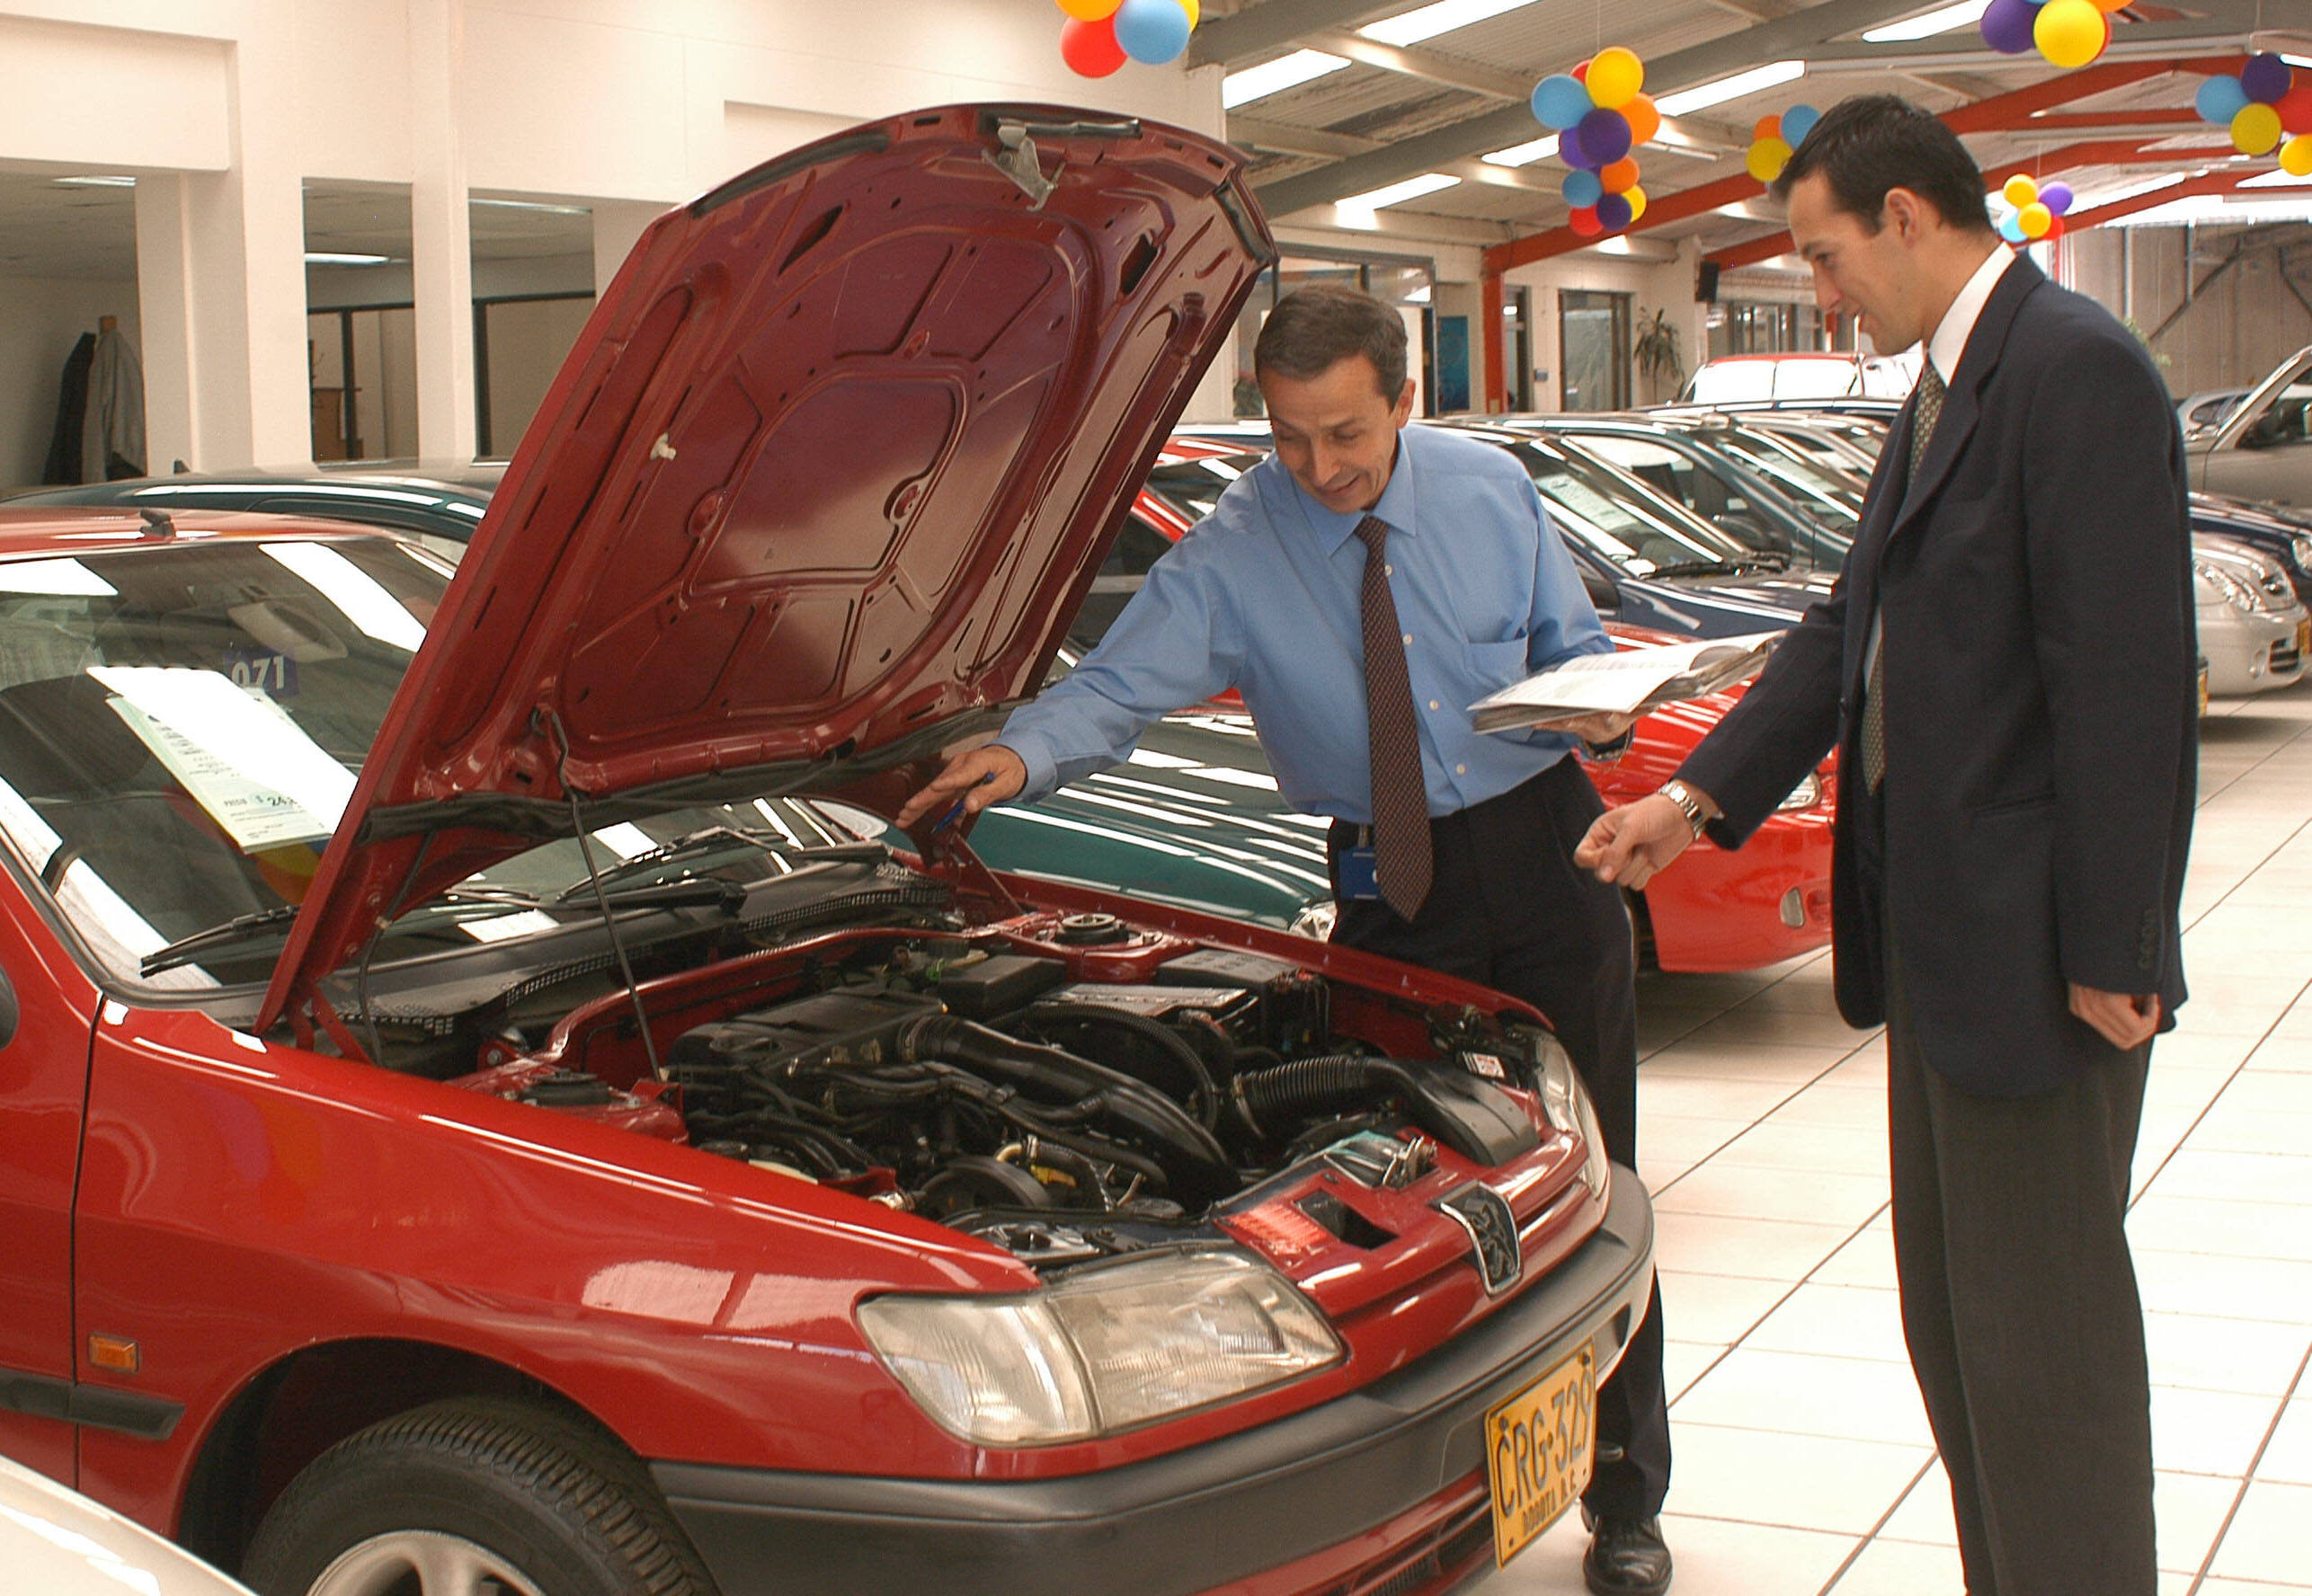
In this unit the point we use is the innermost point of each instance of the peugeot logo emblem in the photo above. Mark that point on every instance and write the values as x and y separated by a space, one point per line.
1492 1228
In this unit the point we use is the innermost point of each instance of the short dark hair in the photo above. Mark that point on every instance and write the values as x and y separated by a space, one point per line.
1867 143
1312 329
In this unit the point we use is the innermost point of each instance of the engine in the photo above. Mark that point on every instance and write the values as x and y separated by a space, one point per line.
984 1087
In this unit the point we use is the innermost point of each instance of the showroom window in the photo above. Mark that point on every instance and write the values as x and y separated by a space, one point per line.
1593 349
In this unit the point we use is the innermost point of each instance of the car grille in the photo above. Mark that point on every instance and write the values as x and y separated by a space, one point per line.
1439 1561
2286 656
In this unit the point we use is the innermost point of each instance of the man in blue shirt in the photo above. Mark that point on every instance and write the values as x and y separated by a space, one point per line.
1451 847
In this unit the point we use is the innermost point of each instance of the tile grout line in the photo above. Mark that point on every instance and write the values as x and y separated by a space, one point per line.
2239 1497
1871 1536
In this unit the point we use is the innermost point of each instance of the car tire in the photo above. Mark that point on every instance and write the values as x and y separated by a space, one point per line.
462 1497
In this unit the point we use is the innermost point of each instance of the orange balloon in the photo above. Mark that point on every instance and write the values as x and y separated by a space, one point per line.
1089 11
1644 121
1619 176
1766 127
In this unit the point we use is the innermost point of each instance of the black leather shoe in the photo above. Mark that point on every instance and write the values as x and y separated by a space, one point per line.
1626 1557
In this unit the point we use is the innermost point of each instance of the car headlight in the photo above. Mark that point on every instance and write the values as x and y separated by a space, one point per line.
1317 920
1100 1349
1805 794
2299 550
1565 1104
2234 591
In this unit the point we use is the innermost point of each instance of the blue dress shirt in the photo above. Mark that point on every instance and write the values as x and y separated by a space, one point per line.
1264 596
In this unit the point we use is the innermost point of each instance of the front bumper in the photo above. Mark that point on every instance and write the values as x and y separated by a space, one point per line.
2250 652
1354 1468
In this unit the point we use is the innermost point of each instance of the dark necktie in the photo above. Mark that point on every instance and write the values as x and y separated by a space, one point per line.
1927 412
1401 800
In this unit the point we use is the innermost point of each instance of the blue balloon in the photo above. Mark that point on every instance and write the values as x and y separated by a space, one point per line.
1153 31
1581 188
2265 78
1559 101
1798 122
2010 228
2219 99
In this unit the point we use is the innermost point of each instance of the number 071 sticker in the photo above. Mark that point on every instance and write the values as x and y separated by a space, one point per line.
264 670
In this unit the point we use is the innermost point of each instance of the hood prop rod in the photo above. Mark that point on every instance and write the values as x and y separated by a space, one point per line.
552 725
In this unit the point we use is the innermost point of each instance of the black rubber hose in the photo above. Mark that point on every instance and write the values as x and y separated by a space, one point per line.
1051 1075
1266 1099
1205 1092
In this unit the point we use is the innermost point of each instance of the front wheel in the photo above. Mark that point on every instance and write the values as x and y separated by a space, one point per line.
474 1498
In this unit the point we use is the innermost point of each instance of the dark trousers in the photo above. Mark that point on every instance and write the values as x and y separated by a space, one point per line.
1508 909
2019 1308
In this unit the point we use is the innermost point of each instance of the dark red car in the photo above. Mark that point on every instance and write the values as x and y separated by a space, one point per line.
479 1111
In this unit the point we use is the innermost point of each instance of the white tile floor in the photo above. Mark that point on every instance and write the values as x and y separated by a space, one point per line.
1803 1463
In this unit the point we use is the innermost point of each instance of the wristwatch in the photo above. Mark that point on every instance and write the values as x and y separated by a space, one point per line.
1688 805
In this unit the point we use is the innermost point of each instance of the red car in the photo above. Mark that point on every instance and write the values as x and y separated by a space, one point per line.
1710 910
482 1112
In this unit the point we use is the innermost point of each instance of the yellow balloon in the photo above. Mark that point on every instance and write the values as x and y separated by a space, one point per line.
2035 219
1196 12
1768 156
2019 191
1092 11
2296 155
2070 32
1637 197
1615 77
2255 130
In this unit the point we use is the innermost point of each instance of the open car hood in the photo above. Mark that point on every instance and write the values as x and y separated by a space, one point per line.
826 473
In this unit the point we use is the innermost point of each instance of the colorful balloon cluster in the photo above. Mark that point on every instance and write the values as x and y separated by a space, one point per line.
2067 32
1100 35
2265 109
2038 210
1600 116
1772 139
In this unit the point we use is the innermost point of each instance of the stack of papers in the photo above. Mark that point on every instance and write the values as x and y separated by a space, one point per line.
1628 681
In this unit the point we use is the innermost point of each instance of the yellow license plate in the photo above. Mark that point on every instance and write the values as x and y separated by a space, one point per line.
1537 1451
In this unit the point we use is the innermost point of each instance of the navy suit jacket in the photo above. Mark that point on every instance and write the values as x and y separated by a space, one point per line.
2034 587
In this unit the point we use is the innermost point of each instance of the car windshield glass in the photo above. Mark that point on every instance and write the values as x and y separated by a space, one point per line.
1192 487
1811 485
1618 518
181 724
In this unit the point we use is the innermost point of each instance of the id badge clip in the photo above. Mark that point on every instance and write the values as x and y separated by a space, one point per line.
1359 874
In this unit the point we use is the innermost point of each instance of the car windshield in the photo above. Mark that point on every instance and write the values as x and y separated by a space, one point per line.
181 724
1618 519
2287 418
1832 493
1192 487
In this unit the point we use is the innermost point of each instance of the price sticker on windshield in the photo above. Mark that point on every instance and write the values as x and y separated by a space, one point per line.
262 670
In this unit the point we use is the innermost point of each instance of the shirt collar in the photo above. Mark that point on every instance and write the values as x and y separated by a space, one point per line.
1395 505
1948 342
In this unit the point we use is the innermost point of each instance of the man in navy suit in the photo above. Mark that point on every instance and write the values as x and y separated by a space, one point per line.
2007 668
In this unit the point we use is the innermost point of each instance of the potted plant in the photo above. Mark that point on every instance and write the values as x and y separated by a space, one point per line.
1656 351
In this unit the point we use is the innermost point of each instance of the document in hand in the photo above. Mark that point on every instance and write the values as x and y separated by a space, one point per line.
1628 681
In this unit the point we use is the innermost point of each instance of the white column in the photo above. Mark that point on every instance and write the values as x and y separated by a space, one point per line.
441 265
165 318
617 224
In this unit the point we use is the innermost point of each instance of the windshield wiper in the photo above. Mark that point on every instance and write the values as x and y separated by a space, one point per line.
1761 561
716 839
695 892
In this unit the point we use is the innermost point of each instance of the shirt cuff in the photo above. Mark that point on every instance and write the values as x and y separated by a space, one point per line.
1043 770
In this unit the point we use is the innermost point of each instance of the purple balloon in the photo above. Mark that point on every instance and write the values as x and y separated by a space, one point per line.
1571 151
1604 136
1613 212
2056 196
2007 26
2265 77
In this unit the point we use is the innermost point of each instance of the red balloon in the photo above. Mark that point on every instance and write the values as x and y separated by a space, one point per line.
1582 73
1585 222
2054 230
2295 106
1090 49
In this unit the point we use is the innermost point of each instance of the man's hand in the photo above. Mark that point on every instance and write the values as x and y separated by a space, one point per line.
2125 1020
979 777
1630 845
1601 726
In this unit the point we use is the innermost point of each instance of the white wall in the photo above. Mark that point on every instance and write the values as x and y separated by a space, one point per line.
631 105
1666 286
42 321
2234 329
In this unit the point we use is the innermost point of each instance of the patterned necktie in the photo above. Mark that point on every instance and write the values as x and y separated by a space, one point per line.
1927 412
1401 802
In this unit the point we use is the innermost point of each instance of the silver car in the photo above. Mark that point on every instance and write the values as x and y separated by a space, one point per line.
56 1542
2253 631
2261 449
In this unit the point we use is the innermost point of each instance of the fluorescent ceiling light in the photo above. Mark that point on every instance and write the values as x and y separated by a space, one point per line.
1410 27
1526 154
1730 88
1274 77
94 183
1412 187
533 205
326 258
2218 208
2276 180
1943 19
